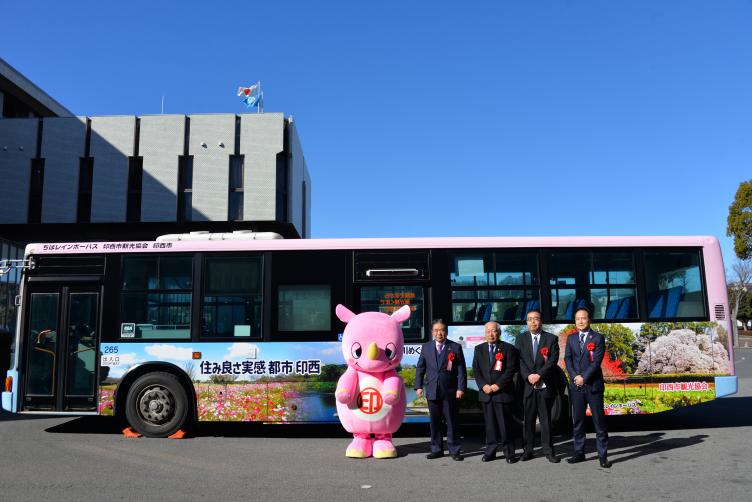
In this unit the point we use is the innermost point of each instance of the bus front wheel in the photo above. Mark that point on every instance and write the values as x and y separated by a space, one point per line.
157 405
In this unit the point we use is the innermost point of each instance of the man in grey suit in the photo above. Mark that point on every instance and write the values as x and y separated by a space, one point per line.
441 371
539 356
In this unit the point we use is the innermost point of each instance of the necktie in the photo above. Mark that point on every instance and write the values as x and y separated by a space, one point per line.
491 350
535 346
582 342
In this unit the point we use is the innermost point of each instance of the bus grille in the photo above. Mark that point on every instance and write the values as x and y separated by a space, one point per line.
720 312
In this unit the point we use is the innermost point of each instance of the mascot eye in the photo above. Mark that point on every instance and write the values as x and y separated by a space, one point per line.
390 350
356 350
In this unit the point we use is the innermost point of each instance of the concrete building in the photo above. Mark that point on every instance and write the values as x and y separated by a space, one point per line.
68 178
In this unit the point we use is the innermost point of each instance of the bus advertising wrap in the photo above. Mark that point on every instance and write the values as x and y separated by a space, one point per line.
648 367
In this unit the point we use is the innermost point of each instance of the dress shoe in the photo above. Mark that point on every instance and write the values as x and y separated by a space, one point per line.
576 458
458 457
487 458
435 454
528 455
510 458
553 459
605 462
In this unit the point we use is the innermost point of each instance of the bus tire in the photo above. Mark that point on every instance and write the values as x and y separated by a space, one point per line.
156 405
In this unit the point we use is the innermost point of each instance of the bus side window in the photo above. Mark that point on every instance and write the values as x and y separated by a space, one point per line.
494 286
602 281
674 285
155 302
306 286
232 297
389 298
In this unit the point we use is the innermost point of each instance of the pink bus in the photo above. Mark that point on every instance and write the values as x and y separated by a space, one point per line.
228 327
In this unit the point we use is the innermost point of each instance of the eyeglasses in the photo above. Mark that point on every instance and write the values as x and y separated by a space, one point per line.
533 318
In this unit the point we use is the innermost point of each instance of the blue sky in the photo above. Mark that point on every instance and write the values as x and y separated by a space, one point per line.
442 118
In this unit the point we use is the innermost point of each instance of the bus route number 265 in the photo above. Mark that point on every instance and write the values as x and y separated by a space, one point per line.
110 356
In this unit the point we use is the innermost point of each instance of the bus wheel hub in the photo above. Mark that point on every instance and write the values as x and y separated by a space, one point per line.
156 404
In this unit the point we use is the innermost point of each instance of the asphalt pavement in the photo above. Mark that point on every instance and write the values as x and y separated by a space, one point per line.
696 453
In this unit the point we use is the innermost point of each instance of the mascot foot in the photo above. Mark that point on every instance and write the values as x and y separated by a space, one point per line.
359 448
383 448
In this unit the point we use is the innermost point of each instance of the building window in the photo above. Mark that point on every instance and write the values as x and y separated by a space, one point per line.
185 188
85 177
36 187
282 163
237 168
135 178
304 202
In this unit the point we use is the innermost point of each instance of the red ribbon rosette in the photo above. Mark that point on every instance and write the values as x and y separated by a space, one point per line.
450 357
591 348
499 359
544 353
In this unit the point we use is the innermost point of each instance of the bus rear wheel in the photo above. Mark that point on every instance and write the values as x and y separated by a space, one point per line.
156 405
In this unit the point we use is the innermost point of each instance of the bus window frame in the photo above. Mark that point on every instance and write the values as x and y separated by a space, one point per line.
703 285
638 282
116 279
341 293
451 253
197 313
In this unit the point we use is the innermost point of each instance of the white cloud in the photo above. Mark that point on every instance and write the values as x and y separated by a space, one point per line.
242 351
333 350
129 359
170 352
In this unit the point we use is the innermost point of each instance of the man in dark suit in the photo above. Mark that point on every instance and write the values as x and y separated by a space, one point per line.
442 377
583 356
494 366
539 356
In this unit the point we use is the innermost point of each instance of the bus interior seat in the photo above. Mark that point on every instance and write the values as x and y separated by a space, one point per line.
487 312
481 312
510 314
620 308
573 305
470 315
625 309
612 308
665 303
530 305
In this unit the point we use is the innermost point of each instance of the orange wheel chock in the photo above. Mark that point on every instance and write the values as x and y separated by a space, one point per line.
180 434
130 433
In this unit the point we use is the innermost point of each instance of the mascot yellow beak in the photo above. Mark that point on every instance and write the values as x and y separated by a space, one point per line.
373 351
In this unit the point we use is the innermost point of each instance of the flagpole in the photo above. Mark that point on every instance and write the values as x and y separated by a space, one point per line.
258 103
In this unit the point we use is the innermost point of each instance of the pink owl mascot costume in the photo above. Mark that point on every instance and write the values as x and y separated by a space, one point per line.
370 395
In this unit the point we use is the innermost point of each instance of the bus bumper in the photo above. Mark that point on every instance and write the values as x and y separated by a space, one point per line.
9 404
725 386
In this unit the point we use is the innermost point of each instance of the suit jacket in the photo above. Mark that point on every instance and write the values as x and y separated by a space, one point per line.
578 362
485 374
546 367
432 375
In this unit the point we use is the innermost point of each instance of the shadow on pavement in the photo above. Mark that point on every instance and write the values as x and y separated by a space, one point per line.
727 412
14 417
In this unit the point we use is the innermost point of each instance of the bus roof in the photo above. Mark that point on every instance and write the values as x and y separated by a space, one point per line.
370 243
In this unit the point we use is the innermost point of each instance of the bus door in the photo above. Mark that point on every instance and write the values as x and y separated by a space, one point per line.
61 339
387 280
